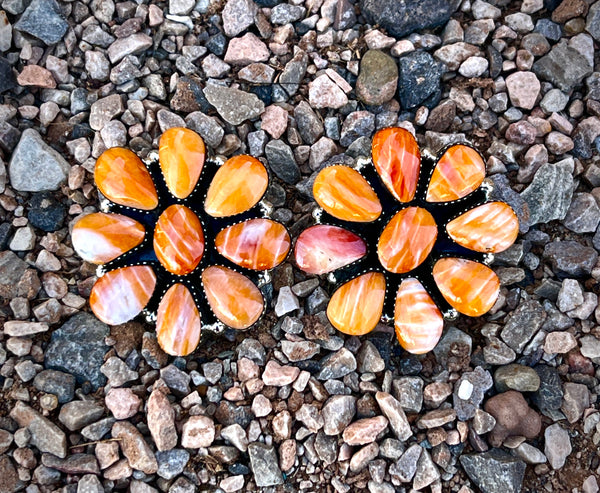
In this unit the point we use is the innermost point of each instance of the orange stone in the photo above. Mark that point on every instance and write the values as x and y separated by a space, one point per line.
233 298
100 237
417 319
344 193
122 178
121 294
407 240
470 287
397 159
459 171
258 244
178 322
178 240
355 308
181 153
237 186
322 248
491 227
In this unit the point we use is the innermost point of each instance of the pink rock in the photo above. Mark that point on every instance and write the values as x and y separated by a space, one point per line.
523 89
161 419
234 394
287 454
123 403
325 93
137 451
361 459
197 432
322 248
274 121
245 50
232 483
559 342
364 431
34 75
247 369
107 453
261 406
279 375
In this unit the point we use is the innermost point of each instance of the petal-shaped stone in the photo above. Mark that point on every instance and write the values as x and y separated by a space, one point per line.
178 322
407 240
344 193
491 227
322 248
233 298
417 319
397 159
458 172
355 308
470 287
181 153
121 294
258 244
100 237
237 186
122 178
178 239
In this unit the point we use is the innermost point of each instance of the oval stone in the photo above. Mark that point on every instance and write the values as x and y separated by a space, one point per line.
181 153
322 248
397 159
178 239
459 171
355 308
344 193
122 178
417 319
233 298
258 244
237 186
491 227
178 322
100 238
121 294
407 240
470 287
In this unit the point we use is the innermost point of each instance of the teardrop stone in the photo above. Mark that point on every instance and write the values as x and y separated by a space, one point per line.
121 294
233 298
181 153
407 240
122 178
345 194
100 238
355 308
470 287
459 171
491 227
178 240
178 322
397 159
258 244
237 186
322 248
417 319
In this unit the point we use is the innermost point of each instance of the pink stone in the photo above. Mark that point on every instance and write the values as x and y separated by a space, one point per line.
365 430
34 75
161 419
122 403
523 89
322 248
274 121
197 432
245 50
279 375
325 93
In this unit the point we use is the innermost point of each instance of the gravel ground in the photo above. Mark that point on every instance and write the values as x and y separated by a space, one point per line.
505 403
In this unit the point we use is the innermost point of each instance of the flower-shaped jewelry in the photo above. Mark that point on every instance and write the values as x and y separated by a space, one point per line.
411 236
175 242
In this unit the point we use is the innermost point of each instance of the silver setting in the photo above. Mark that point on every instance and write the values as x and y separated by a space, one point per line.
331 278
316 214
361 162
264 278
450 314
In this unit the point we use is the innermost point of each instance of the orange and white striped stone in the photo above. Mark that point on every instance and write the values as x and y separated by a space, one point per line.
491 227
178 322
417 319
181 153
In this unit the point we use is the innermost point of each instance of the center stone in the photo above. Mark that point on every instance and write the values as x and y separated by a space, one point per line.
407 240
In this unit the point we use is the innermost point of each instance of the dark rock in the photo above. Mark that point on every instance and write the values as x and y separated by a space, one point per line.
564 66
293 73
523 324
264 464
419 79
309 124
478 382
378 78
402 17
59 383
189 97
171 463
6 230
43 19
45 212
216 44
441 117
228 414
282 162
548 29
583 215
78 348
494 471
548 398
7 77
357 124
570 258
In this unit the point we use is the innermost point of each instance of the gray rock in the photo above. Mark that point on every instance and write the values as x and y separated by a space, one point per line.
523 324
516 377
469 391
557 445
43 19
576 400
89 484
592 24
238 15
419 79
564 67
45 435
264 464
494 471
392 410
549 194
554 101
285 13
548 398
293 73
337 413
409 392
207 126
357 124
570 258
35 166
131 45
234 106
78 348
378 78
78 414
7 77
309 124
171 463
402 17
405 467
59 383
426 473
282 162
337 365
